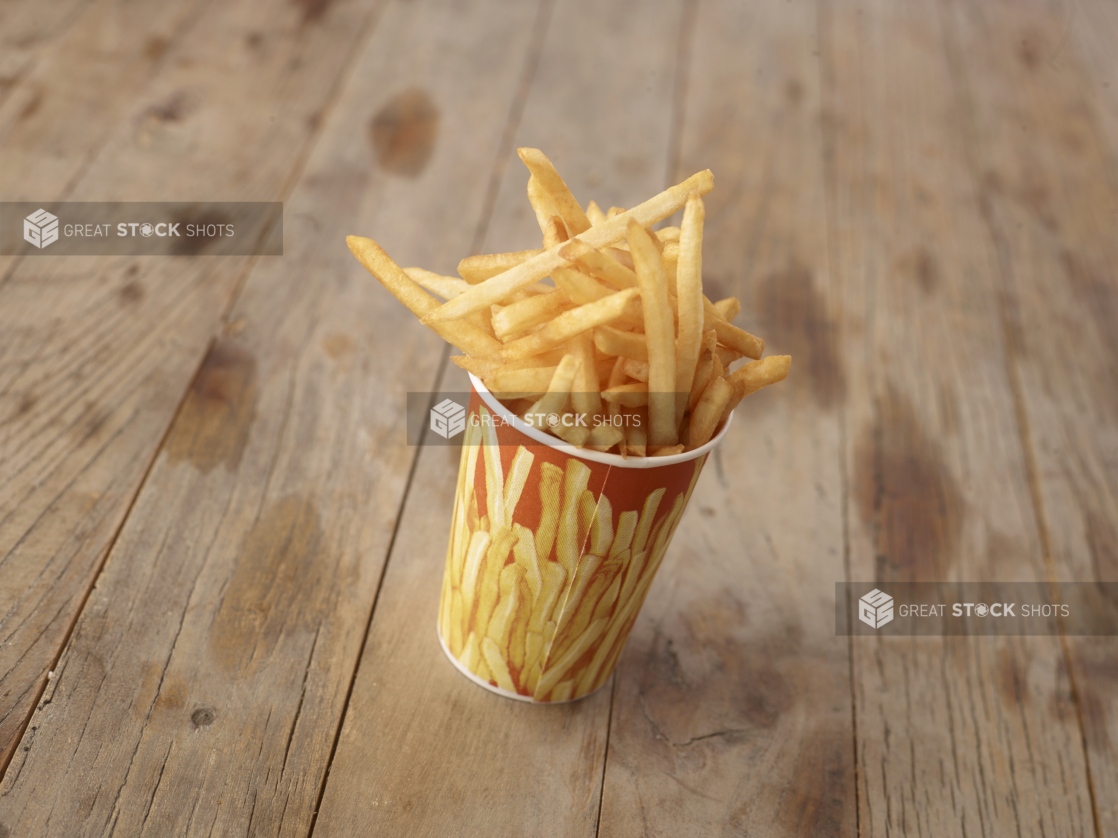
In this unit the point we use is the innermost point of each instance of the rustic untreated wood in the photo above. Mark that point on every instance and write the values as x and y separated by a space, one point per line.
203 687
732 713
27 28
1044 155
963 735
423 751
97 352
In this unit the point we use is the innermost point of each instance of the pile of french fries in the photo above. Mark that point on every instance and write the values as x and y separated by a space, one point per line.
621 344
546 614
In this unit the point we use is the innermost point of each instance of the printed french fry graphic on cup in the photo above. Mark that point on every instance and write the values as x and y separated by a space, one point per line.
552 552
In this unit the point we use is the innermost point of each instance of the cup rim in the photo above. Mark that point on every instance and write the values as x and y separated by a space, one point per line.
593 456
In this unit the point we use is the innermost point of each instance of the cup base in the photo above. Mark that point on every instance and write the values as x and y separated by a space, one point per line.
505 693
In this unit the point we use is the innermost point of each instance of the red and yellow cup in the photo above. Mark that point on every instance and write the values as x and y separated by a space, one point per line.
552 551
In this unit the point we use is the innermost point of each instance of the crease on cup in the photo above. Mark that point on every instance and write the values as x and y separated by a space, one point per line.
550 628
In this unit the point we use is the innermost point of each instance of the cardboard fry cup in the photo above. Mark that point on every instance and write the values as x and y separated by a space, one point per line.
552 551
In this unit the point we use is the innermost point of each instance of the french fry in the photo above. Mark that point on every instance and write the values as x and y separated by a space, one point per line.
660 335
636 439
548 179
667 450
582 608
585 392
670 260
541 308
489 586
627 395
554 401
518 477
554 578
604 606
703 369
708 412
471 652
637 370
728 308
576 591
506 383
524 552
600 264
471 574
497 664
500 624
668 234
481 367
543 204
603 437
551 480
570 431
496 288
446 287
644 524
689 299
565 326
555 671
729 335
626 529
727 356
613 212
568 548
475 269
757 374
586 508
594 214
555 233
494 472
624 257
579 287
611 341
466 336
518 635
601 527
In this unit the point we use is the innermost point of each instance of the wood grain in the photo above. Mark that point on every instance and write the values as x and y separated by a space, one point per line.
954 735
202 690
27 29
423 751
1044 154
97 352
732 713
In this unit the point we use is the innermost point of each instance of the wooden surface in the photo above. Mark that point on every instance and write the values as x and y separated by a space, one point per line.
220 564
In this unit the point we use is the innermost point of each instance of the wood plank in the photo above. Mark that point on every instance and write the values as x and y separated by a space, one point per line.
732 712
61 100
204 685
89 77
1044 154
97 352
27 29
957 735
423 751
1089 30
